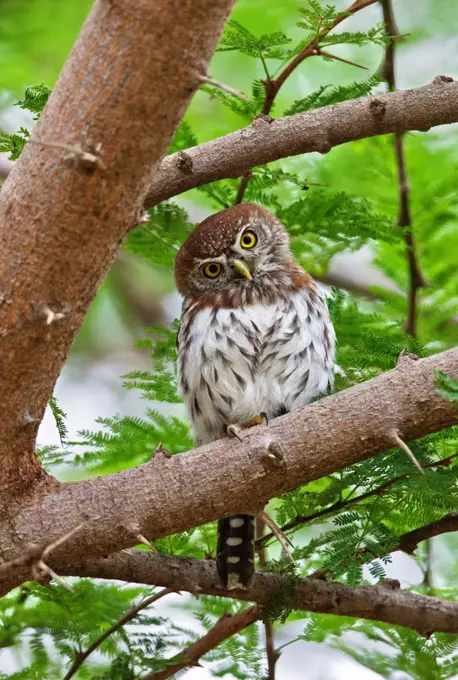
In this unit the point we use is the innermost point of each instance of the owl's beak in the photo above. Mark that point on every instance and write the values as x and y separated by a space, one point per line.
242 268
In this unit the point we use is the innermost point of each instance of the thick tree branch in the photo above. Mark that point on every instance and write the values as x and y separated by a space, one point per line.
70 200
382 603
224 628
318 130
169 495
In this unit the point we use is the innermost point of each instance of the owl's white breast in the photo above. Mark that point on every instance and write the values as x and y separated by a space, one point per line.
237 363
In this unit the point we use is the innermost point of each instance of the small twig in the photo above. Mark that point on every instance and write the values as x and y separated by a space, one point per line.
271 653
40 569
85 156
278 533
34 555
397 441
416 279
128 616
322 53
244 181
222 86
224 628
312 49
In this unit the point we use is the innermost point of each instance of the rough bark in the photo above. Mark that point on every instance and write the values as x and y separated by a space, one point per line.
267 140
80 186
385 602
169 495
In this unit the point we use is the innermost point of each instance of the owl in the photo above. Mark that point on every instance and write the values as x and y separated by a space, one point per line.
255 338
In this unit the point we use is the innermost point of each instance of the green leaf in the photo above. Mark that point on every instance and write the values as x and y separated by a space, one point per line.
447 387
327 95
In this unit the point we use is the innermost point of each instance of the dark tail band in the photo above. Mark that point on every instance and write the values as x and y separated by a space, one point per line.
235 551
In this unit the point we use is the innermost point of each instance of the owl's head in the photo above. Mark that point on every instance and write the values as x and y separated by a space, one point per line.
236 247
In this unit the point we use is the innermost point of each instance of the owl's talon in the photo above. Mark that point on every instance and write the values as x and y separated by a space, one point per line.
233 431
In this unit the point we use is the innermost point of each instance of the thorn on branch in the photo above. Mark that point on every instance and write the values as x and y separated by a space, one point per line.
51 315
322 53
405 358
161 452
397 441
145 541
85 157
184 162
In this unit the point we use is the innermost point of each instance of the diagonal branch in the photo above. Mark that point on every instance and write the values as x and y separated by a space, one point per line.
381 603
416 279
45 290
224 628
319 130
229 476
80 658
272 86
408 542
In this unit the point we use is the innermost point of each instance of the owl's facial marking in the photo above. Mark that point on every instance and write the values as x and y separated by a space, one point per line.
234 253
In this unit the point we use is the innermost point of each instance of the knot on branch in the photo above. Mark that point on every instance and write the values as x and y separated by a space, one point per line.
442 79
184 162
161 452
322 144
378 108
405 358
262 119
272 457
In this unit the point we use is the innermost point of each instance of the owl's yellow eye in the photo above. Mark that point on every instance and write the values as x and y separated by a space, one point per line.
249 239
212 270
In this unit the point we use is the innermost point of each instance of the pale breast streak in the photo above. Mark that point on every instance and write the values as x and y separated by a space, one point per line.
237 363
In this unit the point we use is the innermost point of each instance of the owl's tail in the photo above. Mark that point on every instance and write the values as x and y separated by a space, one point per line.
235 551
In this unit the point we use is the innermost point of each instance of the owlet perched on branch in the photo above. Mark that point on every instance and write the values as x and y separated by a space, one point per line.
255 340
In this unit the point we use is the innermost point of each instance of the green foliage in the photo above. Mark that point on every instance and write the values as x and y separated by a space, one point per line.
447 387
59 417
344 526
158 240
35 99
267 46
327 95
386 649
13 144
